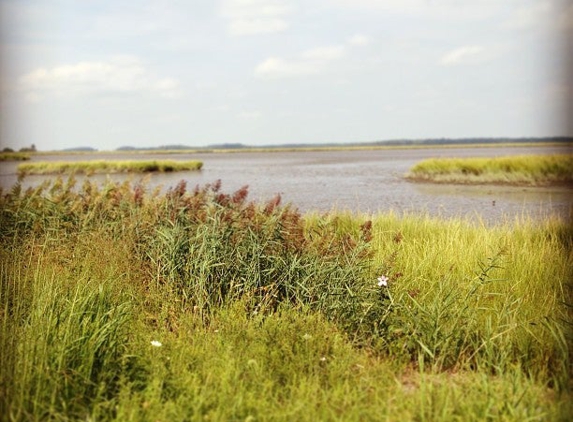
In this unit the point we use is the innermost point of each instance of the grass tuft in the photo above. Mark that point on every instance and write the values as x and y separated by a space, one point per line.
530 170
14 156
104 166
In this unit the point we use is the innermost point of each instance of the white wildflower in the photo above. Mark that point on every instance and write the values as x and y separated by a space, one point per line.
156 343
383 281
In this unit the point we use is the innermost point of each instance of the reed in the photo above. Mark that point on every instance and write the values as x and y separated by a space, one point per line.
119 303
530 170
14 156
104 166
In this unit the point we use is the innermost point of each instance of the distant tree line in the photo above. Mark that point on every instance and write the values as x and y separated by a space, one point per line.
390 142
464 141
183 147
31 148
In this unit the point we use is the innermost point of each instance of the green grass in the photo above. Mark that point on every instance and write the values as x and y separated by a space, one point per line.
266 314
104 166
14 156
529 170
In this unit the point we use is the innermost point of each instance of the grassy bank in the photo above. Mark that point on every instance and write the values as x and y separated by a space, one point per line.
104 166
121 304
527 170
14 156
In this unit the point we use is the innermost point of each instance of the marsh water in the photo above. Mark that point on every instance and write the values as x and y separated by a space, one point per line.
357 180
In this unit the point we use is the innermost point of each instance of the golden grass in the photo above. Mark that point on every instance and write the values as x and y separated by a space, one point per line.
104 166
527 170
14 156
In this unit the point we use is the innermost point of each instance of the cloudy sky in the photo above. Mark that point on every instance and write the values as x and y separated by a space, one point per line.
109 73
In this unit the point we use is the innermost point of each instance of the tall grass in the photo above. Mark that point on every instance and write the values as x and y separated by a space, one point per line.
63 341
524 170
484 298
105 166
264 313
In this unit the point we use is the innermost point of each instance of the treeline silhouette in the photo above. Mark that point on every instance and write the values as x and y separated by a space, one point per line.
390 142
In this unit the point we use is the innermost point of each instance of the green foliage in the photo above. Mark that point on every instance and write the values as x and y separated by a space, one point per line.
212 247
63 343
105 166
14 156
264 313
524 170
480 299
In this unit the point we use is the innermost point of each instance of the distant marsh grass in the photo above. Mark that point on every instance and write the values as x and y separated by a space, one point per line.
105 166
14 156
265 313
534 170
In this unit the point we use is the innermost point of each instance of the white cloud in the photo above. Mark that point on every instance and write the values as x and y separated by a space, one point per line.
256 26
248 17
122 74
469 54
530 16
400 6
443 9
358 39
310 62
250 115
276 68
328 53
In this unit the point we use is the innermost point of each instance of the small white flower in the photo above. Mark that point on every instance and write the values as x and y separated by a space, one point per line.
323 359
156 343
307 337
383 281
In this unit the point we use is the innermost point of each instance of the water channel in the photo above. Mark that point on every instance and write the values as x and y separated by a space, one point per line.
356 180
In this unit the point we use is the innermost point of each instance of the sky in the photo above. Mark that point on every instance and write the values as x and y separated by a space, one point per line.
146 73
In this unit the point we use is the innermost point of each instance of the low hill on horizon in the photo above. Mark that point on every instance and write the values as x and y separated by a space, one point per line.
389 142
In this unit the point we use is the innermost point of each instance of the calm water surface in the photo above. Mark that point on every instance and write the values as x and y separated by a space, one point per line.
360 181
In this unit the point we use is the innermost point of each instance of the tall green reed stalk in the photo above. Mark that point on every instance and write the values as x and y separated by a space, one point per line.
226 249
62 342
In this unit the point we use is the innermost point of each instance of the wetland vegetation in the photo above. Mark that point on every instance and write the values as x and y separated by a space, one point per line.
120 303
106 166
527 170
14 156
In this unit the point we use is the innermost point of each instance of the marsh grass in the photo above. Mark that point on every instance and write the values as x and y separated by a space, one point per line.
530 170
14 156
105 166
63 347
268 314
